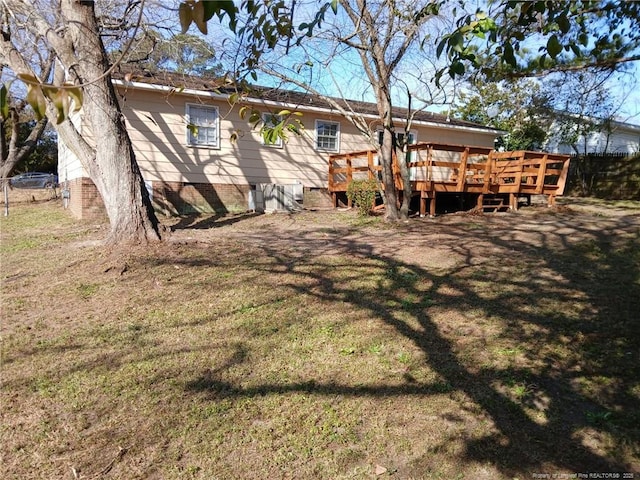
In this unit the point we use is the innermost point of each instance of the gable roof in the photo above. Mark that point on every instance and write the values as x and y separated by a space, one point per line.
292 99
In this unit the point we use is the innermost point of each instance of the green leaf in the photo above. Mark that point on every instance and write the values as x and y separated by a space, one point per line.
553 46
583 38
456 42
563 23
508 55
441 45
4 102
334 6
223 6
255 117
193 129
284 112
457 68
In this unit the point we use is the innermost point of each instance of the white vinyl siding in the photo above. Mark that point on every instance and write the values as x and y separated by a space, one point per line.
327 136
204 125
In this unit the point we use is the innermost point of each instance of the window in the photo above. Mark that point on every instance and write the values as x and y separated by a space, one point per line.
270 120
203 126
327 136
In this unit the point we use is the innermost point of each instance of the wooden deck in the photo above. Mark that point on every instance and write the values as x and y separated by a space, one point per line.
438 168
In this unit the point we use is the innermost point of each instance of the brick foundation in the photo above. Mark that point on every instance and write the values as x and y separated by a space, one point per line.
177 198
84 200
317 198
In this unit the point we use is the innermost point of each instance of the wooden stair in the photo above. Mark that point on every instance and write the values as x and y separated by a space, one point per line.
494 203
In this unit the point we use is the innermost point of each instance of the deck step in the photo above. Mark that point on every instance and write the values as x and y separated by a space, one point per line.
495 204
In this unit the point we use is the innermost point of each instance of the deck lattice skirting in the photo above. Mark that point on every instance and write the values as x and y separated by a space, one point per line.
440 168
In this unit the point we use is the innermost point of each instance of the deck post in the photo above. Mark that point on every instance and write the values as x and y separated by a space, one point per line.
432 205
462 170
562 180
513 202
423 206
480 202
541 171
488 172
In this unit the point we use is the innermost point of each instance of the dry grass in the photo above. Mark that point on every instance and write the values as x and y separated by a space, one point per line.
320 345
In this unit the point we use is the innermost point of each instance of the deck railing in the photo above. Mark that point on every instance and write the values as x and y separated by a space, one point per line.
457 168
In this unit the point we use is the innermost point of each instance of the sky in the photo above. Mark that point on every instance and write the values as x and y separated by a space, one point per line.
344 76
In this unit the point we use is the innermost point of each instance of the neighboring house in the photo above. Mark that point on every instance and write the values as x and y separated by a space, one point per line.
201 169
615 137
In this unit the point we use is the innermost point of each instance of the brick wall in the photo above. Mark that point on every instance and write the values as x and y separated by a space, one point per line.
84 199
317 198
177 198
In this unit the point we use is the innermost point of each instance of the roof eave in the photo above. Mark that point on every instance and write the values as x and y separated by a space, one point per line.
223 96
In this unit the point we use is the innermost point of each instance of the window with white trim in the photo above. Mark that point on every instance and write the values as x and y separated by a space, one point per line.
270 120
203 126
327 136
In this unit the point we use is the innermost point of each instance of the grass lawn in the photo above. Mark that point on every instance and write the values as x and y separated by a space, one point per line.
321 345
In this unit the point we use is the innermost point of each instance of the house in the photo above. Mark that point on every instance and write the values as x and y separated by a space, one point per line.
616 137
182 130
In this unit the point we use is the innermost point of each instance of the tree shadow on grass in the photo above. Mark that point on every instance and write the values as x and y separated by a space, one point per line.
199 221
522 285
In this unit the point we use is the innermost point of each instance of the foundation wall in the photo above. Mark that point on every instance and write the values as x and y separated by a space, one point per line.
177 198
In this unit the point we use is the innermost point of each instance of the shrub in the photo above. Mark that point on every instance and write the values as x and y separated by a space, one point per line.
362 193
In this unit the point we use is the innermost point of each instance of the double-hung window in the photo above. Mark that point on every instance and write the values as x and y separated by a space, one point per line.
327 136
203 126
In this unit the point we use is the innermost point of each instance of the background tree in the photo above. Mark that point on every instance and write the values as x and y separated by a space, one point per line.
584 105
519 107
181 53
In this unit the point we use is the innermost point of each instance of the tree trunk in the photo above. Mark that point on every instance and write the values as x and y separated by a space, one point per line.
111 164
406 181
392 212
388 180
